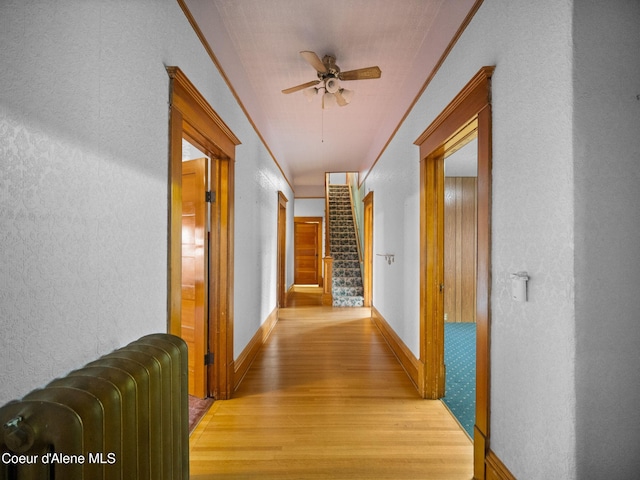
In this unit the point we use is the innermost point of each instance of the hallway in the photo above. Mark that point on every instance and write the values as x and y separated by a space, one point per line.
326 398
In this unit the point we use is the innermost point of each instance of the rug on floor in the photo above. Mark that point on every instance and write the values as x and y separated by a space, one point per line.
197 408
460 384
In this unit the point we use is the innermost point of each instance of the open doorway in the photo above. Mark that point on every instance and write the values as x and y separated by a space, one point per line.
193 119
467 115
460 252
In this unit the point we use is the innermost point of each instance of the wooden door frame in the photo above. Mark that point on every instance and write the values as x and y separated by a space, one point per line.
281 288
191 116
318 221
472 103
367 256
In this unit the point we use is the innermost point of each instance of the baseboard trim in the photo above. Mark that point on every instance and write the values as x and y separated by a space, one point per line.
288 293
496 470
405 356
248 355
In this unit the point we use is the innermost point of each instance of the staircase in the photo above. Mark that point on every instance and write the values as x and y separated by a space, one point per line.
346 286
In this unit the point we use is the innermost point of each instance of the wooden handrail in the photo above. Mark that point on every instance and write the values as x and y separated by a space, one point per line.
356 226
327 284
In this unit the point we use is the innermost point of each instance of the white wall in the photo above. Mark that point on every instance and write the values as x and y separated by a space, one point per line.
83 183
532 344
309 207
607 200
258 181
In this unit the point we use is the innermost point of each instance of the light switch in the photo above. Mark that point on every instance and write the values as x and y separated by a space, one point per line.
519 286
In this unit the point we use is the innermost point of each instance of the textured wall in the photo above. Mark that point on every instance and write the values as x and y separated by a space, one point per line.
309 207
607 198
532 344
83 185
256 240
83 182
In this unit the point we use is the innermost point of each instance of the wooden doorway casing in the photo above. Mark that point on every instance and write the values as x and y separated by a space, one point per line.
472 103
307 246
191 117
281 288
367 254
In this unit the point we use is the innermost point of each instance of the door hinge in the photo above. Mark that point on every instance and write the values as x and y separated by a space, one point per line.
210 197
208 358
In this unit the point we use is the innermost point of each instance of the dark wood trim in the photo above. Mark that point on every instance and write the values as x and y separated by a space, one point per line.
407 359
483 286
473 103
249 353
174 221
221 283
367 260
281 289
200 115
475 96
496 470
432 275
192 117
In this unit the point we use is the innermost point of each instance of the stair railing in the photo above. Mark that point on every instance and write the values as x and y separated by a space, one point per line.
356 223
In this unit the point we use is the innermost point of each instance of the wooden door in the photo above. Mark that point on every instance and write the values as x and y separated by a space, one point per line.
307 244
194 281
281 288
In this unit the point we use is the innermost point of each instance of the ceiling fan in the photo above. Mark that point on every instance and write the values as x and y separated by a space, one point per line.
329 77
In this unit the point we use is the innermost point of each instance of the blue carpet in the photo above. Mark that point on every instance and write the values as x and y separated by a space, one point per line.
460 359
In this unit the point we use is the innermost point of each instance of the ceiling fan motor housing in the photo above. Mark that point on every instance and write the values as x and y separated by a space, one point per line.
329 62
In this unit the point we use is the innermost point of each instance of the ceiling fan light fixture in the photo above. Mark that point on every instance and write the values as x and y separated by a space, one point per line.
309 93
332 85
346 94
329 100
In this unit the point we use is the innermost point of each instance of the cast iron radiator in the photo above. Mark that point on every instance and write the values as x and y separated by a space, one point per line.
123 416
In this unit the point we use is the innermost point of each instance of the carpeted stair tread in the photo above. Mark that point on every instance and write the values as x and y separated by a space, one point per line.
346 284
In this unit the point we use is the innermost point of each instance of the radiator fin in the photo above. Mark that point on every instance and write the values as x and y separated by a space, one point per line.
122 416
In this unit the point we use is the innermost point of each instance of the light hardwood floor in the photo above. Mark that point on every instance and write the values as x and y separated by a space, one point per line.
326 399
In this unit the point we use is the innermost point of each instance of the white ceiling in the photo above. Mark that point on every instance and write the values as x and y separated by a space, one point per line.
257 44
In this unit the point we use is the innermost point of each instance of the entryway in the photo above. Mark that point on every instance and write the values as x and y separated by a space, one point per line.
307 259
468 115
200 269
460 251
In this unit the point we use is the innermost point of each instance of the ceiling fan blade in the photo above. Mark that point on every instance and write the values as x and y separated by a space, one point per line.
314 61
361 74
301 87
